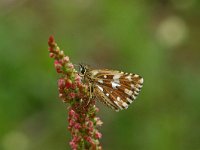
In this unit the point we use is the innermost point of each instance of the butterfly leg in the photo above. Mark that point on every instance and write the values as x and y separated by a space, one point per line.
91 89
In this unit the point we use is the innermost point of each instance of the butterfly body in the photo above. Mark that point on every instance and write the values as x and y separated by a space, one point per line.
114 88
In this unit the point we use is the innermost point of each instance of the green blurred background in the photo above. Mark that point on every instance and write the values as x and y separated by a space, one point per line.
158 39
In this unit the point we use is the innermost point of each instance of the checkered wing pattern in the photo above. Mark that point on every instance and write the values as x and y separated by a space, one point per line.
116 89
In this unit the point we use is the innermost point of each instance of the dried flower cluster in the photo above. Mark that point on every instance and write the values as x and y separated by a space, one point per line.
82 118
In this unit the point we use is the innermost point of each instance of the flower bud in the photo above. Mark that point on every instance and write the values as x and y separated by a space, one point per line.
51 41
72 95
58 66
61 83
98 135
68 84
51 55
66 59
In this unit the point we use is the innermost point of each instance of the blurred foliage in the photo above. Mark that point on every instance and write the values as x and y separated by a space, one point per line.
157 39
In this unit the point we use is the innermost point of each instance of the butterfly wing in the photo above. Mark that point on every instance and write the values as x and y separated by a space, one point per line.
116 89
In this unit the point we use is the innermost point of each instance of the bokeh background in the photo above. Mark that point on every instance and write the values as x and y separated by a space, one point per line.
158 39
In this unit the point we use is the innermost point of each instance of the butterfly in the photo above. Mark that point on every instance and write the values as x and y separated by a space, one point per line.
115 89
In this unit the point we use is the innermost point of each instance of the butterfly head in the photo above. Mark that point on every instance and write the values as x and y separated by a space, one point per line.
82 69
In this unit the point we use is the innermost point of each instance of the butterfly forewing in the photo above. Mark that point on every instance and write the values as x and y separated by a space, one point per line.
115 89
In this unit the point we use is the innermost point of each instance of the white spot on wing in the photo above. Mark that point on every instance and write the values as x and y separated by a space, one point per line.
136 93
139 86
118 104
138 90
100 88
94 72
125 105
141 80
114 85
133 96
116 77
105 76
136 76
100 81
107 94
128 77
118 98
132 86
129 92
129 100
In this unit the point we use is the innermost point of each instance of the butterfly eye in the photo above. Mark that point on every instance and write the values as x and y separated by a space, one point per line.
82 70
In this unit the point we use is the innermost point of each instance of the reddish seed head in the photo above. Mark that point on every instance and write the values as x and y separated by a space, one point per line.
51 49
70 87
98 135
70 65
61 83
89 139
51 55
73 145
58 70
99 123
72 95
72 113
61 95
77 126
51 40
61 62
90 124
68 84
78 78
58 66
73 86
61 54
71 123
66 59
